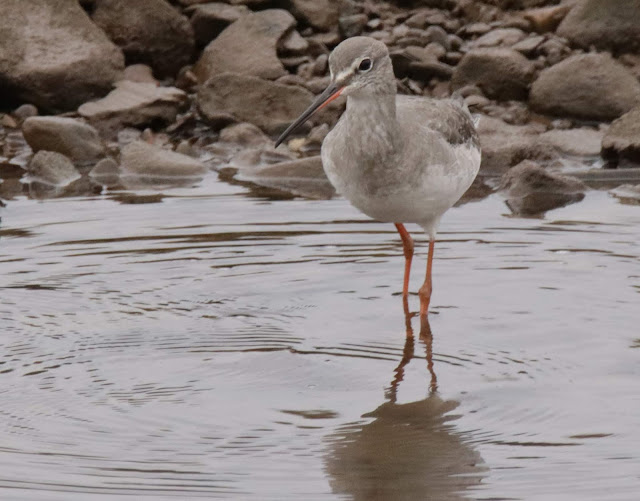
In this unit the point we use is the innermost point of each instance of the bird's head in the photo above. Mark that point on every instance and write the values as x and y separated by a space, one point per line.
359 66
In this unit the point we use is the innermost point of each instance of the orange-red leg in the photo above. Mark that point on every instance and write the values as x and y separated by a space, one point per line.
407 246
425 291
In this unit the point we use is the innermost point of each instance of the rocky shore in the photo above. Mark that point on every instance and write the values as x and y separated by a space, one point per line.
99 95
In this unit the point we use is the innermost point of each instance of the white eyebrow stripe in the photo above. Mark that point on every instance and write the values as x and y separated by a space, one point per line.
343 74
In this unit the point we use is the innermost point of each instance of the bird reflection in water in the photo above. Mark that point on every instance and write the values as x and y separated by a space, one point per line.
408 451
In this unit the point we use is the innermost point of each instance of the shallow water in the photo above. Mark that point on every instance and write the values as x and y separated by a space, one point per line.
221 344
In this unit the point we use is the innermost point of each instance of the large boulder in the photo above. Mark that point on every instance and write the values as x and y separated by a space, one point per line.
149 31
531 190
610 24
586 86
269 105
502 74
53 55
622 140
72 138
248 46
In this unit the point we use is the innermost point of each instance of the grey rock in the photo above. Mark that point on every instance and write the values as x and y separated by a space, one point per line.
77 140
148 31
321 14
503 37
140 159
502 74
353 25
304 177
134 103
622 140
209 19
611 24
293 43
587 86
554 50
438 35
627 194
531 190
248 46
53 56
269 105
106 172
529 45
140 73
24 111
52 168
504 145
582 142
244 134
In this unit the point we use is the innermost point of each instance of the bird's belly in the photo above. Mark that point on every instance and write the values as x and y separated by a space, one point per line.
420 200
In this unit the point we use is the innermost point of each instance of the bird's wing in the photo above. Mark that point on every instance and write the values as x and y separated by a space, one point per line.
447 117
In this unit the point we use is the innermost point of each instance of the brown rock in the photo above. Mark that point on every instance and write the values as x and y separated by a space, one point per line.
244 134
531 190
208 20
56 59
140 73
52 168
528 45
504 145
248 46
627 194
106 172
142 159
321 14
76 140
353 25
587 86
502 74
546 18
304 177
269 105
622 140
134 103
610 24
148 31
24 111
501 37
293 44
582 142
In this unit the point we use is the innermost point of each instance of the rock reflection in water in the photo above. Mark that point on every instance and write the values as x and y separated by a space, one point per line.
409 451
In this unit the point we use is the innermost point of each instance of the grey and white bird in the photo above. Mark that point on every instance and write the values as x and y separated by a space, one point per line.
399 159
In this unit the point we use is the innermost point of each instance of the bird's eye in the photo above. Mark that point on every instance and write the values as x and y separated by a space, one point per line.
365 65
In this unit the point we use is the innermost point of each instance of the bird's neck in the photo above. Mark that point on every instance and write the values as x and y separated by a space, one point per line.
376 106
375 118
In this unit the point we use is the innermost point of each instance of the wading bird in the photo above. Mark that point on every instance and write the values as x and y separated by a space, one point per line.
398 159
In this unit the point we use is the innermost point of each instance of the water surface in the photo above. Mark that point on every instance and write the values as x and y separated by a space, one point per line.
226 345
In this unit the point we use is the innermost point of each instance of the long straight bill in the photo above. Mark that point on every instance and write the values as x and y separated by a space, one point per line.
328 95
